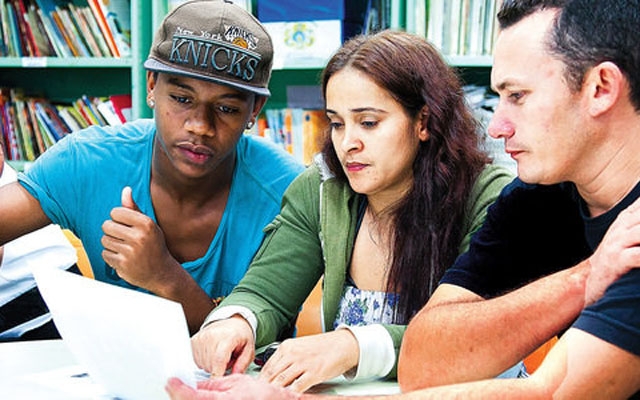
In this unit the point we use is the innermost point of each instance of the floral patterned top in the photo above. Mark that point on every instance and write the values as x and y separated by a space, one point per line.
365 307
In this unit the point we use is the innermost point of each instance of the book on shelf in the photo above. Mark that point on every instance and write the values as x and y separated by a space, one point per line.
13 114
51 120
107 110
28 134
27 41
84 32
65 28
8 127
275 123
74 35
4 31
122 105
314 128
30 124
299 131
462 27
117 14
55 36
35 127
44 138
91 105
377 16
98 9
3 49
490 26
25 38
81 110
455 23
474 35
16 135
435 23
73 120
58 24
15 45
44 45
23 131
287 130
94 29
47 125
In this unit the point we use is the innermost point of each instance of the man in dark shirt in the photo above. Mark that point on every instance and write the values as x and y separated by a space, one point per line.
568 76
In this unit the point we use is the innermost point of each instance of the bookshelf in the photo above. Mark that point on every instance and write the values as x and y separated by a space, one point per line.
65 79
412 16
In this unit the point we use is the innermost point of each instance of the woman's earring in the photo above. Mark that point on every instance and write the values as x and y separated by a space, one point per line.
250 125
151 103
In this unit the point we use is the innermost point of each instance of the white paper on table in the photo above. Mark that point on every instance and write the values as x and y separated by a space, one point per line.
129 342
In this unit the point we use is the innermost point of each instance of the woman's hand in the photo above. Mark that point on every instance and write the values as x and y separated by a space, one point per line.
306 361
224 344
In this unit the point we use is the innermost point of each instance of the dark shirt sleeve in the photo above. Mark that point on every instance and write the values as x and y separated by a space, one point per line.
615 318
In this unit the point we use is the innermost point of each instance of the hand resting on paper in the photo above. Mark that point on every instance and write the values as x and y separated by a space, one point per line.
224 344
303 362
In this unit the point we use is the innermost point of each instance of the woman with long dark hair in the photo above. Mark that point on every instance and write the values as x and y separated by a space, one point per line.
394 197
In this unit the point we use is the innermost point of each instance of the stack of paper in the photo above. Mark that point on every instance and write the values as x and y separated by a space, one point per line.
130 342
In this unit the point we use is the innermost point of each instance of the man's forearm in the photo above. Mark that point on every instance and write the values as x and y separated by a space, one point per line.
186 291
464 341
480 390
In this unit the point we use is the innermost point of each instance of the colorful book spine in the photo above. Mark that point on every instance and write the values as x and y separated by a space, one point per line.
9 131
299 131
65 28
30 34
95 31
82 27
104 26
59 24
315 127
16 135
16 45
72 32
59 43
4 51
36 136
43 43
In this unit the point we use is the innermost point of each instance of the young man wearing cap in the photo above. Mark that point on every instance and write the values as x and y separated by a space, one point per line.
175 205
23 313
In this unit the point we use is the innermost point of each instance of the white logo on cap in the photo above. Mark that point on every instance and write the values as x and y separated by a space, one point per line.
240 37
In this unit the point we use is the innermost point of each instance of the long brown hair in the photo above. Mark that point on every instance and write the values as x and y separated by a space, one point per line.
428 221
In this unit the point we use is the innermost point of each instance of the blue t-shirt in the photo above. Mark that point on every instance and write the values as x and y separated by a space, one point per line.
80 179
535 230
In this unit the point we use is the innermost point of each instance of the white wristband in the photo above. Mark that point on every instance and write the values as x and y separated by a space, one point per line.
220 313
377 353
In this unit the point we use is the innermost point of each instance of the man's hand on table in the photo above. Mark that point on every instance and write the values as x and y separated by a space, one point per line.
231 387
